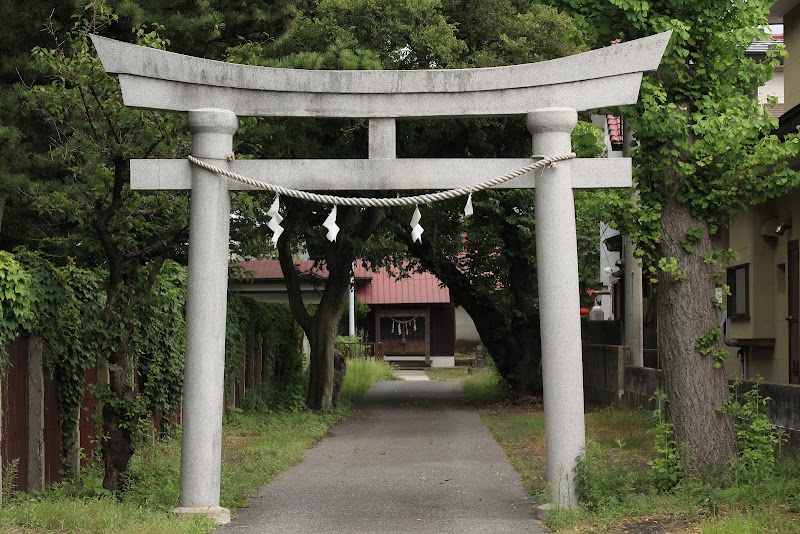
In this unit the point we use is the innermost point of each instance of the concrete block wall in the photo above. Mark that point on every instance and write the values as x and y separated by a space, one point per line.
640 384
603 373
608 380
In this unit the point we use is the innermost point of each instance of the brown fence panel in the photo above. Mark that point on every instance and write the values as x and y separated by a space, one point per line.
88 407
15 412
52 435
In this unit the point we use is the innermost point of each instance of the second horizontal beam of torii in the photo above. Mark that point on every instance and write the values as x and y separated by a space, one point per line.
378 174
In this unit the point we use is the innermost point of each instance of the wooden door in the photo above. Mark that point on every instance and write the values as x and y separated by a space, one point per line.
403 335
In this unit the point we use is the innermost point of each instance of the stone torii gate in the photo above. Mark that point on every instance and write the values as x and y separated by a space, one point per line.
214 94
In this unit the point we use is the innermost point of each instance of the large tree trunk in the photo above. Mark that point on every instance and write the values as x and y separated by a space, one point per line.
516 349
322 339
117 425
514 346
322 335
120 418
321 327
518 359
117 447
697 390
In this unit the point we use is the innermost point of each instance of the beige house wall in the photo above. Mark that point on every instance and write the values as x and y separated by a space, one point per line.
765 332
466 333
774 87
791 38
763 337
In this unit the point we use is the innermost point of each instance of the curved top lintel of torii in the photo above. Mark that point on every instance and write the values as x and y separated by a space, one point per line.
155 79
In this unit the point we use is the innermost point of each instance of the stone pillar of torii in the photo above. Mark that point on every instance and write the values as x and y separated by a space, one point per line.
214 94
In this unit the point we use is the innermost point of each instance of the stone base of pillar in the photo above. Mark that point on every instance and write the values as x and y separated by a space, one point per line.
221 516
542 512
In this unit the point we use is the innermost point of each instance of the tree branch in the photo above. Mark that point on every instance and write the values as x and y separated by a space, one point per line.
290 277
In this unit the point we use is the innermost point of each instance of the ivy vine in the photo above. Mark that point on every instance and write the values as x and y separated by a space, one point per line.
63 306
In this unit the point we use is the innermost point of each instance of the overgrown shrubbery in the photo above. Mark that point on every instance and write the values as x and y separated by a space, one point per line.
350 347
63 305
611 489
756 436
361 374
60 305
485 387
666 467
602 480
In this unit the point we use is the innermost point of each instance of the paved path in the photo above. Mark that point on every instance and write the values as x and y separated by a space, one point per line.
414 457
411 374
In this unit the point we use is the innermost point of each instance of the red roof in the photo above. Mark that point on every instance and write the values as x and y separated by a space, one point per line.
271 269
371 287
418 288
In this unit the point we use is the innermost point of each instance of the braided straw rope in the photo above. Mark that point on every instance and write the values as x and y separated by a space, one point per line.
385 202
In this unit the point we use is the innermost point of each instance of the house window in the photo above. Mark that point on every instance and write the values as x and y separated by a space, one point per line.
739 299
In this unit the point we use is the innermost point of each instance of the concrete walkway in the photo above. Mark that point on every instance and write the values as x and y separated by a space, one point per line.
410 374
414 457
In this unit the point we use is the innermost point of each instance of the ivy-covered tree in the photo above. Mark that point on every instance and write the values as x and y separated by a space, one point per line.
704 149
90 212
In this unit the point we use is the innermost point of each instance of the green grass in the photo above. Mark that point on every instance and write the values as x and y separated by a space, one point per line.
485 387
620 425
521 435
68 514
638 511
256 448
768 503
772 519
361 375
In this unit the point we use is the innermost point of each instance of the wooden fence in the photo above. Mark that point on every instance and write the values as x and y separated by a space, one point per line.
31 438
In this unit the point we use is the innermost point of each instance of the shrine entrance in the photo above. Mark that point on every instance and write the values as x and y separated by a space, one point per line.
214 94
404 333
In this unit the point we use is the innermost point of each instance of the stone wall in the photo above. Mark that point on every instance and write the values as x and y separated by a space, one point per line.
608 380
603 373
640 384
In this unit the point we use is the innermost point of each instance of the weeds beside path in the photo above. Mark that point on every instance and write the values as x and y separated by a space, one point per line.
621 495
257 446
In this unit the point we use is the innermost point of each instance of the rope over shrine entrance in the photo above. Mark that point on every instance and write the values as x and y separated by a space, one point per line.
367 202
